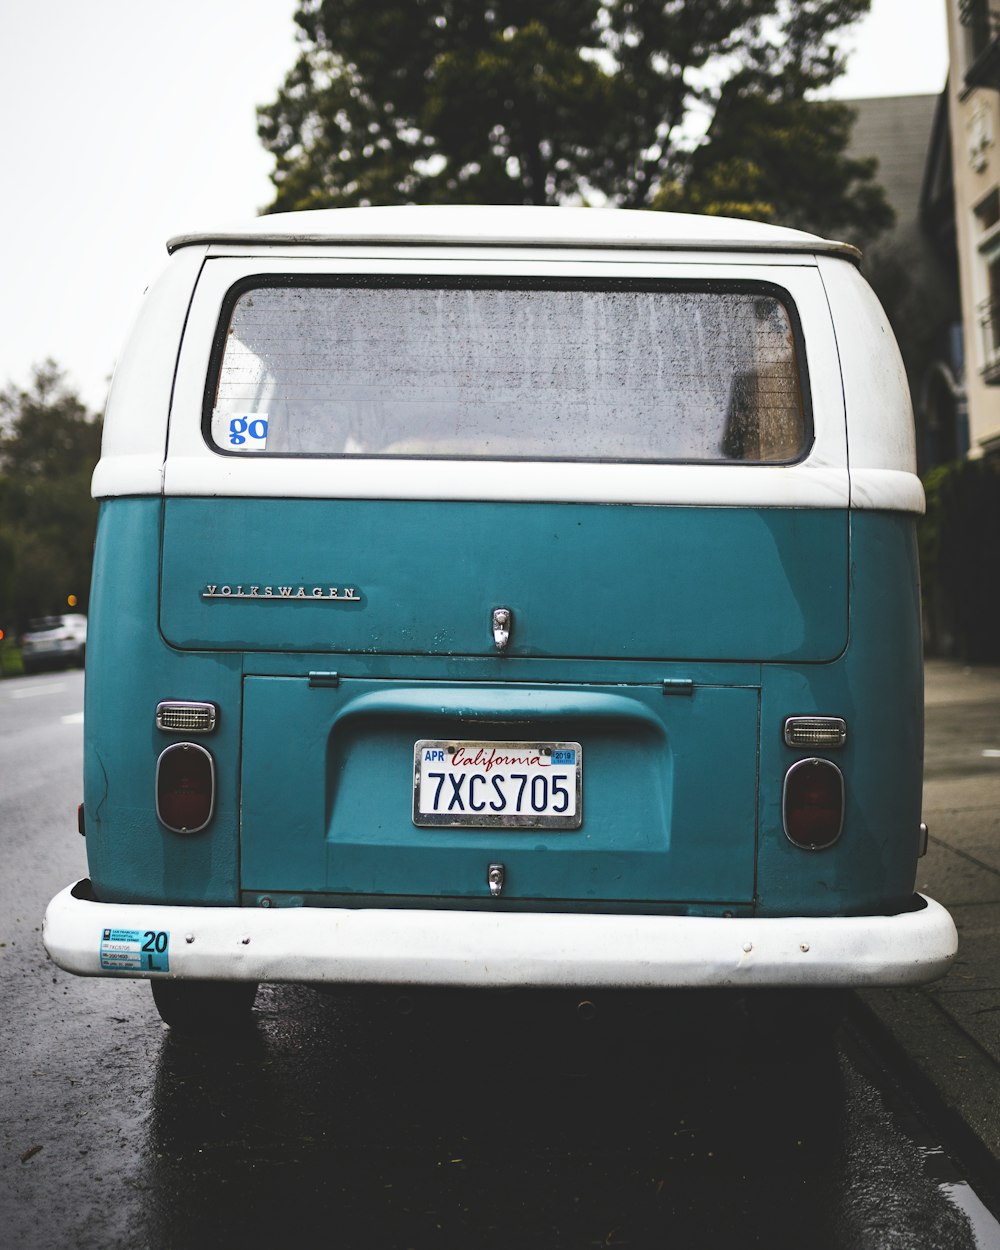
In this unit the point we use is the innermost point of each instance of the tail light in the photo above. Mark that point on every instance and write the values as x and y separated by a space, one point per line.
812 806
185 787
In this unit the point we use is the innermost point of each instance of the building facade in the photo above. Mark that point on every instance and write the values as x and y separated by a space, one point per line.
913 265
974 125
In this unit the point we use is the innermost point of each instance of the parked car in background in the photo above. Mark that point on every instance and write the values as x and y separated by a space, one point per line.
54 642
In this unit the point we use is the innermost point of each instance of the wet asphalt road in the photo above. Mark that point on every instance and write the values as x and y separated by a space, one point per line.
468 1122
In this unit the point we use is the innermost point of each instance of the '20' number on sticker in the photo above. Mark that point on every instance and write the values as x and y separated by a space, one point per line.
155 941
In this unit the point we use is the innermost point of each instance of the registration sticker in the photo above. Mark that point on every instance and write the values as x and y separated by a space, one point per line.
135 950
498 785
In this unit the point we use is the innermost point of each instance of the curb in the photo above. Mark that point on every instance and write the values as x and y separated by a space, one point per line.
954 1081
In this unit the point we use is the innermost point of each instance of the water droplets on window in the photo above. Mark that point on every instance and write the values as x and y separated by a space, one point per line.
471 371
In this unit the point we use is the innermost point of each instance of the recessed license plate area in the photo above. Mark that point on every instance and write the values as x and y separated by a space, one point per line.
343 793
481 784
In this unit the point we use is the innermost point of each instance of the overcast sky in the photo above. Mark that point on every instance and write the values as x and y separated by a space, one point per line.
128 121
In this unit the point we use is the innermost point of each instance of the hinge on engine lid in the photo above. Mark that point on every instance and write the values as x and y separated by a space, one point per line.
324 679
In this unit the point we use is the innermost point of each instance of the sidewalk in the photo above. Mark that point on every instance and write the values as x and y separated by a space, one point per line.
946 1036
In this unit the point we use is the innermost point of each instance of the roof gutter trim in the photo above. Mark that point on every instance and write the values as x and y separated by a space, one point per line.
846 251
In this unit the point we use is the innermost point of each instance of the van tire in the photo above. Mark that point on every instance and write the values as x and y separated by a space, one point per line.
794 1024
205 1008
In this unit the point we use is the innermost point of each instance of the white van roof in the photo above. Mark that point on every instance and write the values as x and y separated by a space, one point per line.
461 225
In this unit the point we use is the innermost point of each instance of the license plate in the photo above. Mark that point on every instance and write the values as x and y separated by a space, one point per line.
498 785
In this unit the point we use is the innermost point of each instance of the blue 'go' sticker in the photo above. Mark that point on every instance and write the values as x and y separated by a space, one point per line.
243 432
243 428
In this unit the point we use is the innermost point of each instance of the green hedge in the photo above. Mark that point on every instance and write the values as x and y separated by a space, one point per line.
10 659
960 560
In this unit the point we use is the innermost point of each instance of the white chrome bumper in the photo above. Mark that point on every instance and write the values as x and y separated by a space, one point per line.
475 948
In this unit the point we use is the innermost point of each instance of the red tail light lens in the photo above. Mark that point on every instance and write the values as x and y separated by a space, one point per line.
812 805
185 787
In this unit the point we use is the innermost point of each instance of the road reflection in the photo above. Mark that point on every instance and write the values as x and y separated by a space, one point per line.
505 1120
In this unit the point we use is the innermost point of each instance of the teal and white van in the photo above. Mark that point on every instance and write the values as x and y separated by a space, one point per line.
504 597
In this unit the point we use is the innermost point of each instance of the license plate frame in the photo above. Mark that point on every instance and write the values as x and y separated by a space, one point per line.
495 800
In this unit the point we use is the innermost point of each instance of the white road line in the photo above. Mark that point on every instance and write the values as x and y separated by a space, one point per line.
74 718
29 692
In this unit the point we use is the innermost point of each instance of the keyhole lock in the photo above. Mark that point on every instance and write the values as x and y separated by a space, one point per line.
503 623
495 877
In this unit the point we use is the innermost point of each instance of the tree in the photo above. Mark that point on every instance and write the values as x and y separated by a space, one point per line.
783 160
49 445
674 103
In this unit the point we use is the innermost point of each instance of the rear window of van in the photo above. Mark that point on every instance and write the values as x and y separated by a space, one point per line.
567 372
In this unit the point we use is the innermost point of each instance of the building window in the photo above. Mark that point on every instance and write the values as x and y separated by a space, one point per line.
987 213
989 319
988 210
981 21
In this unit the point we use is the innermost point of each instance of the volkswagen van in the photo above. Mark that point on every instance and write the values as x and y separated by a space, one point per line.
504 597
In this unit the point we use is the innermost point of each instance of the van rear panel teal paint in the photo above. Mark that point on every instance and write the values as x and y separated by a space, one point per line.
582 581
316 777
509 606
